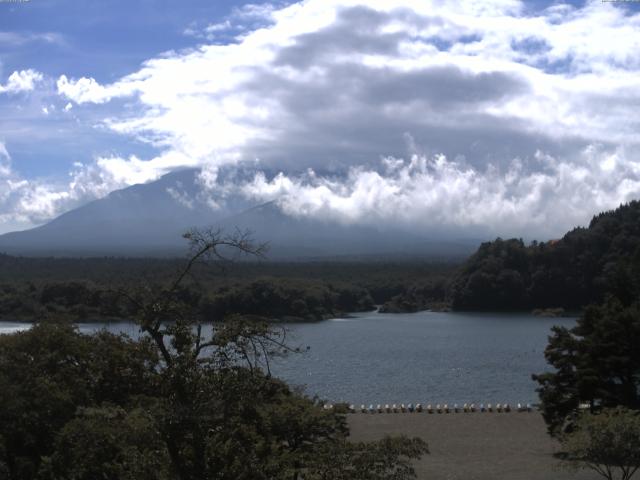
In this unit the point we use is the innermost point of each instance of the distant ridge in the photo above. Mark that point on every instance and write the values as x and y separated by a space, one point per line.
136 220
149 220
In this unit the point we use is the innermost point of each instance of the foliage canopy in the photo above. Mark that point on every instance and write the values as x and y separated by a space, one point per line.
596 363
607 443
581 268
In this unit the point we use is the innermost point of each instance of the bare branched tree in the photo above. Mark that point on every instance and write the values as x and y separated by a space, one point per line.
220 413
169 314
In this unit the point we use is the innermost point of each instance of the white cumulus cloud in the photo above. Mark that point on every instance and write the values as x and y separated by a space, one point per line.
27 202
435 194
22 81
518 119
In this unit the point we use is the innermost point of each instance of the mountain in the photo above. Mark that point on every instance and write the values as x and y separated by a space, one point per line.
149 220
299 237
138 220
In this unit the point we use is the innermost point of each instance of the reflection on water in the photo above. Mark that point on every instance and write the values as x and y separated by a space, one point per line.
425 357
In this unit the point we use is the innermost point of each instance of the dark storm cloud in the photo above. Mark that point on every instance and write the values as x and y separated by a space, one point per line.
354 113
356 30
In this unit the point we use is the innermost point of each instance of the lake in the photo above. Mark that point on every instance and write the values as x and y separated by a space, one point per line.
426 357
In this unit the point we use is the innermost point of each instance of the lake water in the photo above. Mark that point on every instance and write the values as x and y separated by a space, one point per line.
426 357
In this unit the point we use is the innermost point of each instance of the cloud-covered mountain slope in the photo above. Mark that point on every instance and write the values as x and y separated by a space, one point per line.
149 220
135 220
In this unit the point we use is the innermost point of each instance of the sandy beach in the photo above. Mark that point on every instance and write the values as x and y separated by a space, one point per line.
473 446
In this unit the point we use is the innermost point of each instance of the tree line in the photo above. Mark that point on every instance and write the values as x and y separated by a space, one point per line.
86 289
273 298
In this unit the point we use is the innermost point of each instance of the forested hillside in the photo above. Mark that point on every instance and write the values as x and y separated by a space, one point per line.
579 269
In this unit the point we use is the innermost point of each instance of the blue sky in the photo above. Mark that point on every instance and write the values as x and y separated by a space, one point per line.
472 114
103 40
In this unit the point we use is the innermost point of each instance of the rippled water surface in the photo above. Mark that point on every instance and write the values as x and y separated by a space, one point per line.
423 357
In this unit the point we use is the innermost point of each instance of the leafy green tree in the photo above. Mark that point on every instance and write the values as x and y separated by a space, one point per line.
46 373
597 362
607 443
108 443
389 458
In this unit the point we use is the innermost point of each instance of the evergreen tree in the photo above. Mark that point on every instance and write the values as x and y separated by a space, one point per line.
596 363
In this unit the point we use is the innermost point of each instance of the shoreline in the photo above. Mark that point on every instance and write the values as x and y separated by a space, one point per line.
292 319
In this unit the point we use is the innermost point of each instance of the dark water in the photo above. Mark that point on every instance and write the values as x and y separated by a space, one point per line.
425 357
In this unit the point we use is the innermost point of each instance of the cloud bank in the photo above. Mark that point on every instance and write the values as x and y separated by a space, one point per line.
27 202
431 115
436 195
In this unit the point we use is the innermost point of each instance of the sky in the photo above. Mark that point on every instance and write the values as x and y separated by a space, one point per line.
495 117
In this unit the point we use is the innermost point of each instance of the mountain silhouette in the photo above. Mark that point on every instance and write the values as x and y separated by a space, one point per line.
149 220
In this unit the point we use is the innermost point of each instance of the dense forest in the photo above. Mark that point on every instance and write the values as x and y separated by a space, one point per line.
91 289
580 268
567 274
